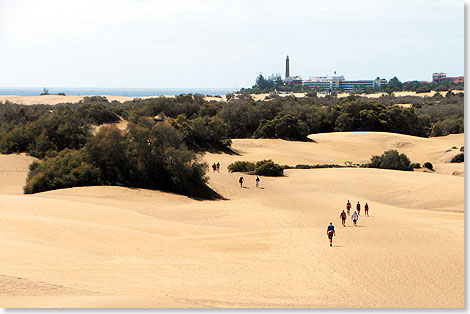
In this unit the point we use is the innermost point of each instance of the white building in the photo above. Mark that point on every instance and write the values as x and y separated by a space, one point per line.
339 83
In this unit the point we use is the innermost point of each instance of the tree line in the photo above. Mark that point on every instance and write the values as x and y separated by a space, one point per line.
274 83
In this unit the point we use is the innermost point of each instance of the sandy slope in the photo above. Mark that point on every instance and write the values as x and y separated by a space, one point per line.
56 99
263 247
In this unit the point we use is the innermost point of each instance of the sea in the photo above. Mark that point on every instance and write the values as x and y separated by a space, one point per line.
129 92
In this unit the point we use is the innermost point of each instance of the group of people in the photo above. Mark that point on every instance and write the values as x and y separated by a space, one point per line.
242 179
330 231
216 167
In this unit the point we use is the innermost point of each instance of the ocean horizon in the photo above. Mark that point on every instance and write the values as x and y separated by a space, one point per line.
128 92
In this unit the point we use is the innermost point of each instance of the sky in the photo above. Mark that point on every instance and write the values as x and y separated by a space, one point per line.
224 44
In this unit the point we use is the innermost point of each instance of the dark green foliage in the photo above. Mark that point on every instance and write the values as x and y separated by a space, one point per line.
428 165
415 165
390 159
448 126
202 132
150 155
51 131
160 160
97 113
241 166
458 158
268 168
262 168
286 127
108 150
67 169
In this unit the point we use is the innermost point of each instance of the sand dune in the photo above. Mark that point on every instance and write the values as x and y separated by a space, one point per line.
57 99
263 247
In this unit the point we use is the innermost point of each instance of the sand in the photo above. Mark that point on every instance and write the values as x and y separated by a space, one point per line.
57 99
262 247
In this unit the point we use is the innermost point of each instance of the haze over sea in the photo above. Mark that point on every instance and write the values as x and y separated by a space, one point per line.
129 92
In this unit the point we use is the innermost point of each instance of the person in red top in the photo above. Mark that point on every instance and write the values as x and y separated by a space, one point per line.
348 207
343 217
366 209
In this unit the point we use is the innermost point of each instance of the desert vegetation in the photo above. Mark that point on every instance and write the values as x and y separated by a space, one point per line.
189 125
263 168
390 159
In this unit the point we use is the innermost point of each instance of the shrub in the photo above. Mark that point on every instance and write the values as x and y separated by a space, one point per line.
458 158
241 166
286 127
67 169
390 159
428 165
262 168
268 168
415 165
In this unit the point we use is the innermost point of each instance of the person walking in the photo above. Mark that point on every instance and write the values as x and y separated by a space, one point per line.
240 180
214 166
330 231
348 207
257 181
343 217
354 218
218 166
366 209
358 208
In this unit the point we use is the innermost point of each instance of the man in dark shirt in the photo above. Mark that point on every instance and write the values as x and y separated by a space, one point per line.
330 231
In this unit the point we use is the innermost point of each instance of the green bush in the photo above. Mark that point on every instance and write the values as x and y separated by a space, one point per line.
428 165
458 158
262 168
241 166
286 127
268 168
67 169
415 165
150 155
390 159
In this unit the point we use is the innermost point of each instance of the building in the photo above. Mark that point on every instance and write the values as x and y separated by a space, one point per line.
438 77
338 83
331 83
293 80
442 77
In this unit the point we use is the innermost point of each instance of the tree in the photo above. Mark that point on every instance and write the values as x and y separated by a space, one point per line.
391 159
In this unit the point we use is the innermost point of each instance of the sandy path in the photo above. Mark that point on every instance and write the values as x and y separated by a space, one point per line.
265 247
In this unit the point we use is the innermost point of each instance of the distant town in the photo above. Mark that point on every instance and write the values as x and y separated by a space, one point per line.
338 83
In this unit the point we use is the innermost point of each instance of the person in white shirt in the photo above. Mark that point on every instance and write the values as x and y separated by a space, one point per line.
354 218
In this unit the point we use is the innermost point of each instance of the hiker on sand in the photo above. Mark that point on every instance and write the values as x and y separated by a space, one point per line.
343 217
366 209
218 166
214 166
354 218
257 181
358 208
348 207
240 180
330 231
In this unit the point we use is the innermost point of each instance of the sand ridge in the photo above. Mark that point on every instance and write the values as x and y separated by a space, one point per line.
57 99
262 247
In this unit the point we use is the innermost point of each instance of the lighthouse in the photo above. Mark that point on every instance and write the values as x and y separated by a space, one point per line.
287 67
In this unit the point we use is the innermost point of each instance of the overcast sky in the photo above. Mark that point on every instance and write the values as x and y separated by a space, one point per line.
202 44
